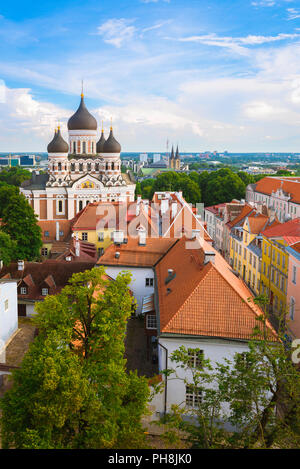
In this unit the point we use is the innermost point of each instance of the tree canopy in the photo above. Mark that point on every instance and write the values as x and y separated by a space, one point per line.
73 390
14 176
20 223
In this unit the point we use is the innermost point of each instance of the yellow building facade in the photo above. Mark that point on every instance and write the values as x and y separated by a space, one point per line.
274 275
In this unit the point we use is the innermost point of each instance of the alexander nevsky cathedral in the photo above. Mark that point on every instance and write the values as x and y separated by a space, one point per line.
86 170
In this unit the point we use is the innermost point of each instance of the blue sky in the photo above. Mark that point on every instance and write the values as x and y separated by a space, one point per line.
219 74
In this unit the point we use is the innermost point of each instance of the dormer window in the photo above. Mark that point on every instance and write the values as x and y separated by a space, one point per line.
45 291
23 291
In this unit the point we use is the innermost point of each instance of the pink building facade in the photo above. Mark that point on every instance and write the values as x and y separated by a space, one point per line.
293 291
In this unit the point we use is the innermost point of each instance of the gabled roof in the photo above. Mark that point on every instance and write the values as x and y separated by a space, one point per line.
204 299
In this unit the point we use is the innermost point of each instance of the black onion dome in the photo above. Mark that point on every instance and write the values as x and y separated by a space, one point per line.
82 119
111 145
58 144
100 143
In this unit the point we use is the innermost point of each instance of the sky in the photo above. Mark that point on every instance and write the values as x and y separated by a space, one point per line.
203 74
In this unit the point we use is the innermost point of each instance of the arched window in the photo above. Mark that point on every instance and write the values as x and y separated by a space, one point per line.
106 166
72 166
80 167
74 147
92 147
60 206
97 167
89 167
83 147
59 166
80 205
113 166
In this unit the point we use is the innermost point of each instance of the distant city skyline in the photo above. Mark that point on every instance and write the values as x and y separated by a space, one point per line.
206 75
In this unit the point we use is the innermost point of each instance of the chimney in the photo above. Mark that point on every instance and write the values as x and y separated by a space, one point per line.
57 231
118 237
77 246
174 209
142 238
20 265
164 205
209 257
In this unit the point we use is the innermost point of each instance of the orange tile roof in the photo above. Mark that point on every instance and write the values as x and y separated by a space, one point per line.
290 185
98 213
50 226
132 254
289 231
204 299
258 223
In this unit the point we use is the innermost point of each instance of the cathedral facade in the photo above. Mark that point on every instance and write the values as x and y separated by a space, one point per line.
84 170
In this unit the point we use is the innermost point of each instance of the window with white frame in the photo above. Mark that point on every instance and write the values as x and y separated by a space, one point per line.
101 236
44 251
84 236
45 291
195 358
151 321
149 282
193 396
23 290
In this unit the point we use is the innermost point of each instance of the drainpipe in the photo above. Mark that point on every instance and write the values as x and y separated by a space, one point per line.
166 378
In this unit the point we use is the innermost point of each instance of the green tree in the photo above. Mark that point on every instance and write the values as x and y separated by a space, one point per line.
7 248
20 222
6 192
223 186
14 176
246 178
85 324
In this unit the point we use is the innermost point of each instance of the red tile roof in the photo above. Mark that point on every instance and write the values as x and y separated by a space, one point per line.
204 299
290 185
289 231
132 254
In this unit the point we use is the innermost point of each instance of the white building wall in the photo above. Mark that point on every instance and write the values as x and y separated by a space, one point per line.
214 349
138 281
9 315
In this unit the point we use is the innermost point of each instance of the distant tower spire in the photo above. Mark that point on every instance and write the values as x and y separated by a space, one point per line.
82 89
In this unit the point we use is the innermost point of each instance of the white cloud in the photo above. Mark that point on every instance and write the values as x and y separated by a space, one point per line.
236 44
293 14
116 31
24 121
264 3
